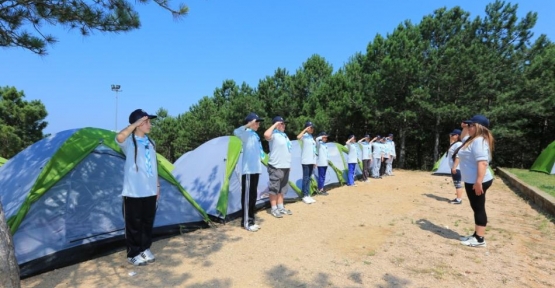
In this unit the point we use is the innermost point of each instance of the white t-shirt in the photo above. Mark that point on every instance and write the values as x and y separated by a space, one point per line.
308 151
352 156
322 153
376 150
280 150
137 182
252 150
366 150
391 147
452 150
478 150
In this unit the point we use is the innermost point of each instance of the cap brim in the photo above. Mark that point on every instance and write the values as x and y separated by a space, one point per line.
260 120
152 116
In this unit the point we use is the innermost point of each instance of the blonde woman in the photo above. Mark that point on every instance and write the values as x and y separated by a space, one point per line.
474 156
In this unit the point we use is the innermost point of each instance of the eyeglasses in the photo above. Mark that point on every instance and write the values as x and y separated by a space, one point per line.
472 125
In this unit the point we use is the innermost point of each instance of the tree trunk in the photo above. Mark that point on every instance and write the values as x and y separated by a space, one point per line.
402 148
9 270
436 140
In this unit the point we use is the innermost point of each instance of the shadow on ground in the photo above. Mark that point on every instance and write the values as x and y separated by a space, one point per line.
424 224
438 198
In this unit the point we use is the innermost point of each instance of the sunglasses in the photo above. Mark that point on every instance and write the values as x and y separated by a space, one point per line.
472 125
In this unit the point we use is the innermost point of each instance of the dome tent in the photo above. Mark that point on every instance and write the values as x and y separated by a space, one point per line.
212 175
61 197
546 161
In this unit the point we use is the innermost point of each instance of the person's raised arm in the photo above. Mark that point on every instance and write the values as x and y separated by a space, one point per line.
242 129
269 131
123 134
300 135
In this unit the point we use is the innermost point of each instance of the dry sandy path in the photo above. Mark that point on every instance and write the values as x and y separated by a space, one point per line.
395 232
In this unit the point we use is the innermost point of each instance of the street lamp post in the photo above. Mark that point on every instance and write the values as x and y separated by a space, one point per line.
116 88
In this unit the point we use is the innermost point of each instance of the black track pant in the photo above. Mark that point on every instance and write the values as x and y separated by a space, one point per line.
478 203
366 169
249 185
139 216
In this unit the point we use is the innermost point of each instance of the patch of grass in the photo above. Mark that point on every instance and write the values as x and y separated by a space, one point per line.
398 260
371 253
539 180
457 223
504 233
544 226
437 271
367 262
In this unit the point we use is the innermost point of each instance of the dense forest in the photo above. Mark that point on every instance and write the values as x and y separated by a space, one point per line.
418 82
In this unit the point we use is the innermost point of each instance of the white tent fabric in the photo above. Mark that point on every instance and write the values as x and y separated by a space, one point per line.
335 156
82 208
202 173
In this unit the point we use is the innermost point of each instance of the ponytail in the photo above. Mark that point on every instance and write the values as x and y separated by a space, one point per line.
135 145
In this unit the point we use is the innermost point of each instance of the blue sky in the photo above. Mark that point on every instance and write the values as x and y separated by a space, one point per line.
173 63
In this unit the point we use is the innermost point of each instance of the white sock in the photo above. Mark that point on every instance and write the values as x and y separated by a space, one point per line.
280 206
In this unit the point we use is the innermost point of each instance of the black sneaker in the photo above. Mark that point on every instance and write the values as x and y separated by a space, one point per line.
323 192
455 201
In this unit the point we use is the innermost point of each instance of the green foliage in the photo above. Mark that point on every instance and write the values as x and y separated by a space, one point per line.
419 82
16 17
21 121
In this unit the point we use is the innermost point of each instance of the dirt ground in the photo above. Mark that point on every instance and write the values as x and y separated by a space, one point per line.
399 231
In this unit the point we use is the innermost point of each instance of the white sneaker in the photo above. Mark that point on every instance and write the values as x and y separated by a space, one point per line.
465 238
306 200
284 211
311 199
252 228
137 260
148 256
256 226
473 242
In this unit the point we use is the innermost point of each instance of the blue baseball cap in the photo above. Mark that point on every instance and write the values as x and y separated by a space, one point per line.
323 134
308 124
138 114
390 135
253 116
367 136
278 119
455 132
480 119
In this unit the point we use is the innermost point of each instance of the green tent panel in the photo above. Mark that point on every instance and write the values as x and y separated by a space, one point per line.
69 155
546 161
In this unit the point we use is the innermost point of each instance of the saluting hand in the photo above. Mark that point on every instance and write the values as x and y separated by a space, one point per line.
140 121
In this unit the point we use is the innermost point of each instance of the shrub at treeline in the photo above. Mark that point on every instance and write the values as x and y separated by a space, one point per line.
418 82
